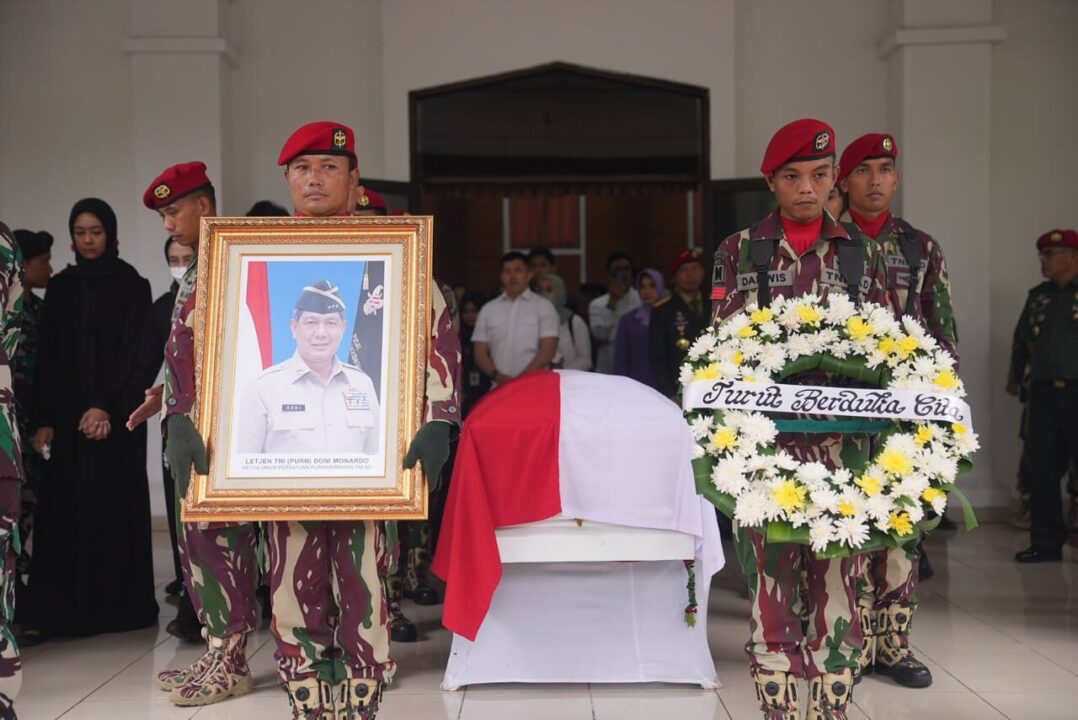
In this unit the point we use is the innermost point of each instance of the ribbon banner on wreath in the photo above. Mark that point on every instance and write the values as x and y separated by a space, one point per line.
899 395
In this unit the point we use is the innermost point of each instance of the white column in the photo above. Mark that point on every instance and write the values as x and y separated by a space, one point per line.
939 87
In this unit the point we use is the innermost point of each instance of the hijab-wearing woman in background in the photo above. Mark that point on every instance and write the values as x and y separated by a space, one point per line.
92 566
631 344
574 337
474 383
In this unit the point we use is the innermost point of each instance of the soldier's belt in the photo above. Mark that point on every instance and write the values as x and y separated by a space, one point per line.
819 400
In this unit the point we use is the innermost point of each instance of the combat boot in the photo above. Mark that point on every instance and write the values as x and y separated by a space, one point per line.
226 675
830 695
169 680
893 655
777 693
311 699
868 640
356 699
401 629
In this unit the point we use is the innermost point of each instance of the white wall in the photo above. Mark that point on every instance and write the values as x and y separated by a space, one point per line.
429 42
1033 189
807 59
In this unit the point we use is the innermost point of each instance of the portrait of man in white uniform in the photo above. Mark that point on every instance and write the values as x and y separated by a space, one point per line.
312 403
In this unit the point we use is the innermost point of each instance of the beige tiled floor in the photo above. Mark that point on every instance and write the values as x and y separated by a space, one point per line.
1001 639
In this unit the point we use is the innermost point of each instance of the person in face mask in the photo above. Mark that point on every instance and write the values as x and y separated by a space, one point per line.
151 356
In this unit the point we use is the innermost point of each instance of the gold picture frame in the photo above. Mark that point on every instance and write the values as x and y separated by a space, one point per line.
280 445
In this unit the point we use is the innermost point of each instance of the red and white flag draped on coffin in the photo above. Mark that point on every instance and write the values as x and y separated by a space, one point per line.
596 447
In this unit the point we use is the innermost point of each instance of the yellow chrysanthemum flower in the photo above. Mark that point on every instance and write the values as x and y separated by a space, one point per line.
906 345
724 439
711 372
759 317
747 332
809 315
894 462
846 508
932 494
859 329
924 435
887 345
870 484
958 429
789 496
738 358
901 523
946 380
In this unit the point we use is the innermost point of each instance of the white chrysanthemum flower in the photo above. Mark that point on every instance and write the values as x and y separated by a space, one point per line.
812 472
734 326
770 329
703 345
730 475
758 429
772 358
842 477
824 496
916 512
913 327
851 531
839 309
752 507
967 444
685 374
751 348
800 345
799 518
903 443
785 461
701 426
939 503
821 533
874 359
911 486
879 507
698 452
938 465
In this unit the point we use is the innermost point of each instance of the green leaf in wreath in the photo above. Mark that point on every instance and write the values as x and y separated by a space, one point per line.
968 516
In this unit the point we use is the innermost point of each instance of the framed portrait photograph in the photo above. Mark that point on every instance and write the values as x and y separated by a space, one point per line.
311 340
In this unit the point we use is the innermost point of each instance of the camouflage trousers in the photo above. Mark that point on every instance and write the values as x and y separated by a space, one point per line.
410 566
10 664
831 639
220 568
888 576
329 608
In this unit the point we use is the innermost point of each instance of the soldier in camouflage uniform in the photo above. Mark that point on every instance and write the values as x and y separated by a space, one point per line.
36 252
800 250
918 285
1049 328
329 604
11 304
218 559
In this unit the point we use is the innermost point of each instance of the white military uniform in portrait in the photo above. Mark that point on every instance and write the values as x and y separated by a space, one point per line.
290 409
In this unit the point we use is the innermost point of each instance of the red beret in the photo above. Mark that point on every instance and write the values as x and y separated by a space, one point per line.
686 257
319 138
371 200
175 183
804 139
867 147
1058 238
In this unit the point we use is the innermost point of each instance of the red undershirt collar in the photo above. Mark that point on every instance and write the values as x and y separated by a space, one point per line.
872 228
802 236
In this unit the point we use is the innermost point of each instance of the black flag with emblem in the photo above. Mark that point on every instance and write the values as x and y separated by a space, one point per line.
365 351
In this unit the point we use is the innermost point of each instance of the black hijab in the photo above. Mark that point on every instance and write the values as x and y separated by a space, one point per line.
109 262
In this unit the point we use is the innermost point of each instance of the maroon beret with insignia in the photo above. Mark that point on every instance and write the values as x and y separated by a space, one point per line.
804 139
867 147
1058 238
686 257
175 183
319 138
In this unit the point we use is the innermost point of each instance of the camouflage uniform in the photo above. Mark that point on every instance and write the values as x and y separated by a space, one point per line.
887 588
218 559
826 650
329 605
11 304
22 372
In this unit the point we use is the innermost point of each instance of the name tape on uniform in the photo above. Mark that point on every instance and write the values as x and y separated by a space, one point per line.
818 400
775 278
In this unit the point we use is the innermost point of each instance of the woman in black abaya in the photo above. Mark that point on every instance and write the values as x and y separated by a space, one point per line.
92 566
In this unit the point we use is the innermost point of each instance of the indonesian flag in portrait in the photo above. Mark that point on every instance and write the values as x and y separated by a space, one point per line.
597 447
254 349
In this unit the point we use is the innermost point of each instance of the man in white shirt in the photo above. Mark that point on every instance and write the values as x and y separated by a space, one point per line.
606 311
517 332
